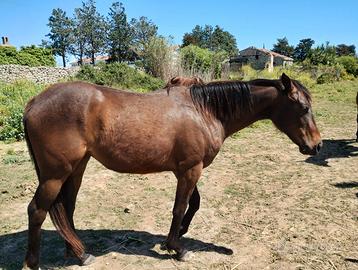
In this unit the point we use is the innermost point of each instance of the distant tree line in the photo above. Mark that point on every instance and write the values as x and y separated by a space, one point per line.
88 33
304 49
324 54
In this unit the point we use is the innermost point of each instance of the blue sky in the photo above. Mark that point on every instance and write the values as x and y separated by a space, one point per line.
252 22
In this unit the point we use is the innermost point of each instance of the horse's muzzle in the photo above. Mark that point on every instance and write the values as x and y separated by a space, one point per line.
306 150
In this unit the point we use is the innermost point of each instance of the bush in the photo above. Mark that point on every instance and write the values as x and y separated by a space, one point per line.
326 78
247 73
199 60
157 58
27 56
119 75
13 98
350 64
8 55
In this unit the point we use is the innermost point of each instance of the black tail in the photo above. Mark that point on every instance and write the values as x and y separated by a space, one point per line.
57 211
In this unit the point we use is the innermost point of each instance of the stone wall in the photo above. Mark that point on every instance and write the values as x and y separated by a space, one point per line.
42 75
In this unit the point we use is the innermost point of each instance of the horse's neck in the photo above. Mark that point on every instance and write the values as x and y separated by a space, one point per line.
262 100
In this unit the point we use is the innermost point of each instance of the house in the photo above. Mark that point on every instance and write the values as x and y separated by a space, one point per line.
259 59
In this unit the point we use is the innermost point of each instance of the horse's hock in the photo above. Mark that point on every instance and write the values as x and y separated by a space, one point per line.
42 75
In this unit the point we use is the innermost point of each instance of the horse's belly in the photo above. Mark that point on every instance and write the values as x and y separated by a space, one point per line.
135 159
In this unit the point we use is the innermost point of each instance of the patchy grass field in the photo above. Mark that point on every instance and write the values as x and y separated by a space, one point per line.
273 207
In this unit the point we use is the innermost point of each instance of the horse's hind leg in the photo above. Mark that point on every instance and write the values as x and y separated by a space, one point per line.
43 199
194 204
69 192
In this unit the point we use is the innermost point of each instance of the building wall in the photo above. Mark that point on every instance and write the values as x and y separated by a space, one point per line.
42 75
259 60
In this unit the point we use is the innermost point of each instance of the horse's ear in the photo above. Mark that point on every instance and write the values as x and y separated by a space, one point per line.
287 83
290 89
199 80
175 79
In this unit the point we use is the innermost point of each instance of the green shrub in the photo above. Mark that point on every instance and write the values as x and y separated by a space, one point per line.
13 98
8 55
350 64
27 56
119 75
326 78
248 73
199 60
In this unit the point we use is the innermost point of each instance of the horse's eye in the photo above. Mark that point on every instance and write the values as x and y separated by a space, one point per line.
305 110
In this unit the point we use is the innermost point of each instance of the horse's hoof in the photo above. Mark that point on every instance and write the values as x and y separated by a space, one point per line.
25 267
88 259
184 256
163 246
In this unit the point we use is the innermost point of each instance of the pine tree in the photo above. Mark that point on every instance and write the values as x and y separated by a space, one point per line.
282 47
93 29
120 34
60 33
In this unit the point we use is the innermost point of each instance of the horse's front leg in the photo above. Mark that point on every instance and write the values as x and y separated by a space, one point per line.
186 184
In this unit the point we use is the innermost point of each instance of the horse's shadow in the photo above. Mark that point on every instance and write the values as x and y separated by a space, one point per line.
334 149
98 242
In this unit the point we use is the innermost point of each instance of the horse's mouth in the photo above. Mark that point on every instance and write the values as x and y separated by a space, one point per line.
312 151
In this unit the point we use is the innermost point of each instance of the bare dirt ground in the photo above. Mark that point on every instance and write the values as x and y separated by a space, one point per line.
261 199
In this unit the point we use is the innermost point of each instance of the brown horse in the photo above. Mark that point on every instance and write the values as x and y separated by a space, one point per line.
183 81
180 131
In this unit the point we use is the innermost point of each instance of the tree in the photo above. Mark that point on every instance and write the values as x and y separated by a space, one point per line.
302 49
223 41
199 36
93 27
282 47
77 48
209 38
143 31
60 33
120 34
343 50
323 54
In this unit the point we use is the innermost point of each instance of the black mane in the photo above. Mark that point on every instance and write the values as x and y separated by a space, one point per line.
224 100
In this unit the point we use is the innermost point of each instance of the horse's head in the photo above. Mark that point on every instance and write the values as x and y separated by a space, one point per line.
184 81
293 116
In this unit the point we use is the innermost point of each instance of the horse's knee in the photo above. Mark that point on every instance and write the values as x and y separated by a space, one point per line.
36 216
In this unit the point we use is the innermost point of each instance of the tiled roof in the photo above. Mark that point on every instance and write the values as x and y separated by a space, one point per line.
275 54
